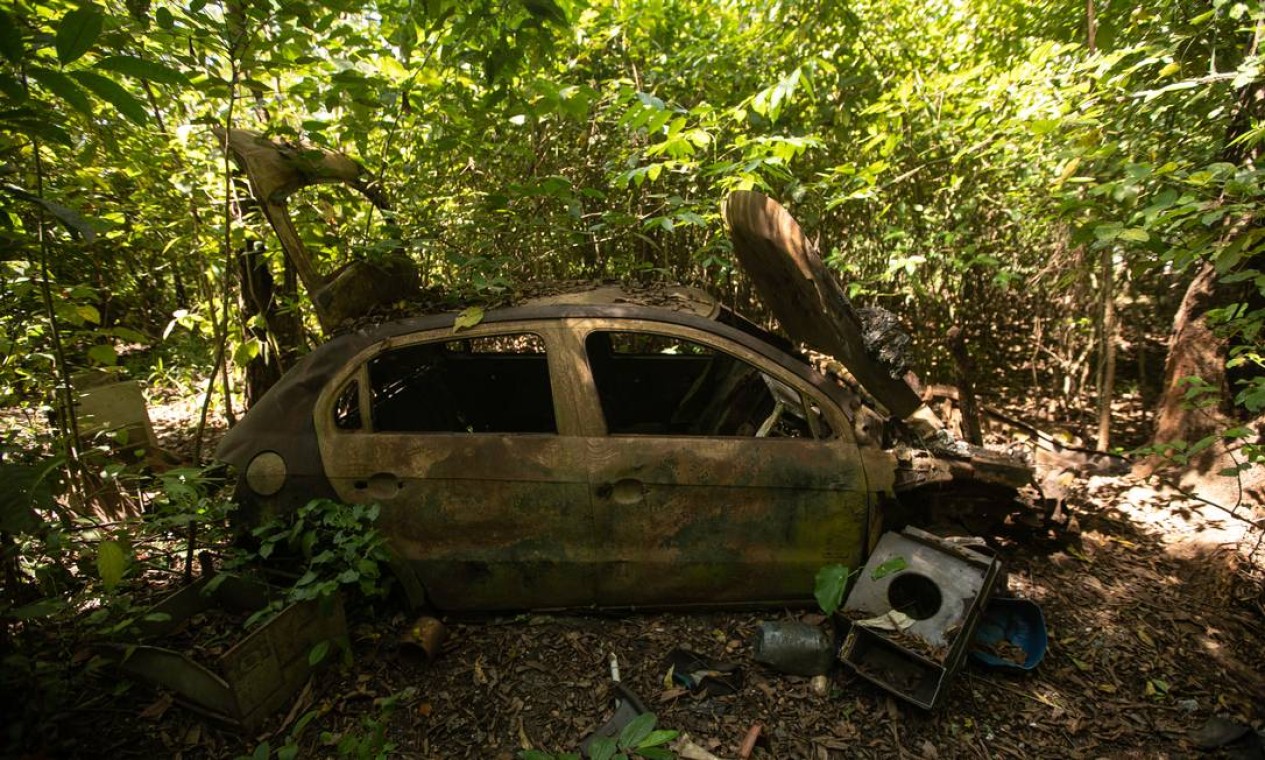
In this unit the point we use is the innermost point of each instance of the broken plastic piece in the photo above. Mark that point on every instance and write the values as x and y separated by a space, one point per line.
1011 635
627 706
699 673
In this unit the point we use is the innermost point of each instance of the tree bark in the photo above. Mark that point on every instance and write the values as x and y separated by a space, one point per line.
282 333
1195 350
1106 349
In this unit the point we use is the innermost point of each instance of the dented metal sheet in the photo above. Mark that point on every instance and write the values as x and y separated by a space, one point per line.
611 450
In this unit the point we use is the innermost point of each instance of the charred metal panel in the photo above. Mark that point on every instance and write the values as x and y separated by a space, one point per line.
485 521
716 520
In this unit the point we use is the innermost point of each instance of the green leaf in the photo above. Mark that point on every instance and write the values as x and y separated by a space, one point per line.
656 753
63 87
1108 231
42 608
602 748
546 10
157 617
24 486
636 730
655 738
893 565
41 130
72 219
114 94
111 563
831 582
1135 234
10 38
78 30
318 652
103 354
139 68
468 318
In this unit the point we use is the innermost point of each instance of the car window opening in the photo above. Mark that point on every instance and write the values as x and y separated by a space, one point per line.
652 384
493 384
347 407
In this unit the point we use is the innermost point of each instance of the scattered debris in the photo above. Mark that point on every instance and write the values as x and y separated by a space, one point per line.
427 635
699 673
627 706
244 681
942 586
795 648
1011 635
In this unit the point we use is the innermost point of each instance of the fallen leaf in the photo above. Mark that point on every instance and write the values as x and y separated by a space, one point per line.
1146 637
1078 554
157 709
468 318
425 709
523 741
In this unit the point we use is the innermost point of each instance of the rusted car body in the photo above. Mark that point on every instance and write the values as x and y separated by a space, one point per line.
560 454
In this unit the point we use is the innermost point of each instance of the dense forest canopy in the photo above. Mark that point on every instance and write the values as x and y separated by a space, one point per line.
1058 182
1059 200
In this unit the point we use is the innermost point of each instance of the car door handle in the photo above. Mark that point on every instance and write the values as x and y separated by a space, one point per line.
380 485
624 491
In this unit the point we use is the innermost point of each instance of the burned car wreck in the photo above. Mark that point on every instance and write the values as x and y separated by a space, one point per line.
617 446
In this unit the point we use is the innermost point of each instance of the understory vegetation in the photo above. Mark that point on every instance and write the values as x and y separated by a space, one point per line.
1068 193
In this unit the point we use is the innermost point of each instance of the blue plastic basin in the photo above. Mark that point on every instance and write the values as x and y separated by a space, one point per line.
1018 621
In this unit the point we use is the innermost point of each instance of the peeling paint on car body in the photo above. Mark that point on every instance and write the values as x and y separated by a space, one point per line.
578 516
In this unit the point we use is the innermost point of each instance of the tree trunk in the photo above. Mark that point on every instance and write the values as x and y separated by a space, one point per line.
1195 350
283 333
1106 348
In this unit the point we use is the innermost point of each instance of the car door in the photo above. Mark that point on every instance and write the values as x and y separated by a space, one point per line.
461 439
717 475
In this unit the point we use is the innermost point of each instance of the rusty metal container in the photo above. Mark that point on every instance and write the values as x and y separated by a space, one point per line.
799 649
257 672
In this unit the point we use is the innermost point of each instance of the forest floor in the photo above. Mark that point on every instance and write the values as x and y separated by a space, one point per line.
1155 620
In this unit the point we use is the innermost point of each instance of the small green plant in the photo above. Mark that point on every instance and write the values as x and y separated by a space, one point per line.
831 583
637 739
370 743
340 544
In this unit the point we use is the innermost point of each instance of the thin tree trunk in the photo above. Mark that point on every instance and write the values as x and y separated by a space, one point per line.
1106 348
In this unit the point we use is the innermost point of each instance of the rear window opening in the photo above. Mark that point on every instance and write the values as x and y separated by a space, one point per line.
491 384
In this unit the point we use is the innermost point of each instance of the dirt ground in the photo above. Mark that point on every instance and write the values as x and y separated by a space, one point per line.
1154 628
1156 624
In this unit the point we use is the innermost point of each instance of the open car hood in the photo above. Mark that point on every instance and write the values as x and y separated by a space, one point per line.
794 283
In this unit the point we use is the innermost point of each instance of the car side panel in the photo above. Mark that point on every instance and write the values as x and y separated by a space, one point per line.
723 520
486 522
720 520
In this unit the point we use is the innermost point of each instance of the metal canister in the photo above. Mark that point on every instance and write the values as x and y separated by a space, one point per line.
796 648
